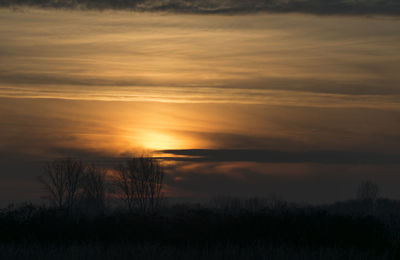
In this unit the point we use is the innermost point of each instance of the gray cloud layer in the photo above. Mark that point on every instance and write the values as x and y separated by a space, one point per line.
273 156
320 7
386 87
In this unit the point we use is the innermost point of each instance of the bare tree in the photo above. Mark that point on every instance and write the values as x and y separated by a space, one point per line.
140 180
61 180
94 187
368 191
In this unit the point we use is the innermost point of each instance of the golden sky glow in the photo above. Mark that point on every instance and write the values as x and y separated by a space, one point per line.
105 84
159 141
262 59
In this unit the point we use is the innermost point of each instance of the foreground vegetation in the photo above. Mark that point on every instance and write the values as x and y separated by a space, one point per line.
93 215
224 228
152 252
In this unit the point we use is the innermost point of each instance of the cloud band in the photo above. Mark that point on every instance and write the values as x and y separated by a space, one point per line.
319 7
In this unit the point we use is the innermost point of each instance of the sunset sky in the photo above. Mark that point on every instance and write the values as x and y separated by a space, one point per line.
297 100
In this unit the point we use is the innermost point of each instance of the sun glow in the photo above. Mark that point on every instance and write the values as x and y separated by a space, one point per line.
160 141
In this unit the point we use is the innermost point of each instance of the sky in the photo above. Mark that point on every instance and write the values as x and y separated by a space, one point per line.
293 99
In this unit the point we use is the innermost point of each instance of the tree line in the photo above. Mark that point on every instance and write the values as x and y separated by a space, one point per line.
74 187
71 184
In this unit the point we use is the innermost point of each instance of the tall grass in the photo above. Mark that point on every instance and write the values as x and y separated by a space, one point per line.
222 230
153 252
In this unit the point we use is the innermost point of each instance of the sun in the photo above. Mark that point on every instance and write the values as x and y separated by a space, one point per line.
160 141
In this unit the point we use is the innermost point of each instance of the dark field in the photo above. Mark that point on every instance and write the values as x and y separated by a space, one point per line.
148 252
224 229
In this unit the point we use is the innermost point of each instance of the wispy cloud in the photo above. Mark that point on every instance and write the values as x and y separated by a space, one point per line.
293 60
320 7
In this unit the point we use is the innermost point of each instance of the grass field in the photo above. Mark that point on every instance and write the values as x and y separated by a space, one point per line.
40 252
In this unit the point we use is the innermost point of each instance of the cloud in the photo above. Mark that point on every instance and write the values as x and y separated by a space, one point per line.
295 84
241 140
319 7
276 156
311 182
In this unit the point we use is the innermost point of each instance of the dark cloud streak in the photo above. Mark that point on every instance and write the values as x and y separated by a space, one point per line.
386 86
275 156
319 7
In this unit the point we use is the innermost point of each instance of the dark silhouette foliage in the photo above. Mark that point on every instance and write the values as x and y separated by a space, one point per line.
368 190
61 180
140 180
223 222
94 188
198 226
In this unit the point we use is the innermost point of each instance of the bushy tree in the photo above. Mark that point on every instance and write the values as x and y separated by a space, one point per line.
140 180
61 180
94 187
368 191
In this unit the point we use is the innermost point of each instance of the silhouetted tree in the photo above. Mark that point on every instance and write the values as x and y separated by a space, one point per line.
368 190
94 187
140 180
61 179
227 204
